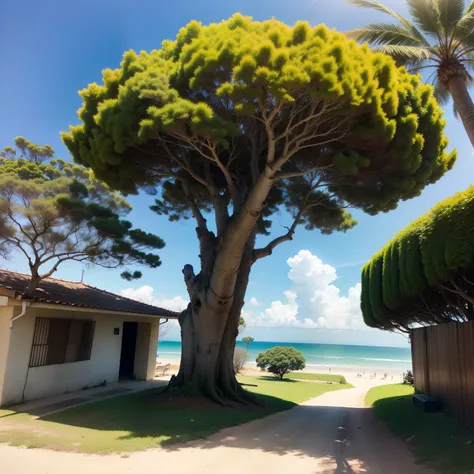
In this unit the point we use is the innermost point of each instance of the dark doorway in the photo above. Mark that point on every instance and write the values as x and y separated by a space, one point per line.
127 355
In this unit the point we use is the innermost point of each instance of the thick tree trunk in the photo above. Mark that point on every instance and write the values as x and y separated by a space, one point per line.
462 100
201 336
226 375
186 366
208 333
217 294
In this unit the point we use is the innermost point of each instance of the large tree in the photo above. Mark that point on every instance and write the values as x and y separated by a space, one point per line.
53 211
425 274
440 37
235 120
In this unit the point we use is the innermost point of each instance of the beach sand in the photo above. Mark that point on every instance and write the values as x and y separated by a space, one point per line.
388 375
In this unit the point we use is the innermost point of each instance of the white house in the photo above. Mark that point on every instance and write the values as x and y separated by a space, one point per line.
70 336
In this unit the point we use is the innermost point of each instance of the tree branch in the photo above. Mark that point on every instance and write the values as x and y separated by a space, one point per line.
189 277
294 174
268 250
183 165
234 240
201 221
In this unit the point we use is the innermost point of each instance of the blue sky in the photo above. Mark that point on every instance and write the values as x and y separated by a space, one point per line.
51 49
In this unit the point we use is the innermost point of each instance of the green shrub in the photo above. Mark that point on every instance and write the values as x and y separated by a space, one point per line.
281 360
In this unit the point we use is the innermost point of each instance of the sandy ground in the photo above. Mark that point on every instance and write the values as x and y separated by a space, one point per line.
331 434
388 375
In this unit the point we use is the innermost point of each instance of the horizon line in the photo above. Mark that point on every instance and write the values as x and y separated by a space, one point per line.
309 343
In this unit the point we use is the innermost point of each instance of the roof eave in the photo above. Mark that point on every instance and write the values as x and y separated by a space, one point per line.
87 309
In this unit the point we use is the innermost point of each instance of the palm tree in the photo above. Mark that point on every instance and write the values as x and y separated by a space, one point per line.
441 37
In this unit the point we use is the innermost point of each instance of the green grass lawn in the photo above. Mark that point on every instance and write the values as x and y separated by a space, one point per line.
140 421
318 377
436 439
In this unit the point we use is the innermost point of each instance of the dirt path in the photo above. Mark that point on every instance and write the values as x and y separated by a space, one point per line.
331 434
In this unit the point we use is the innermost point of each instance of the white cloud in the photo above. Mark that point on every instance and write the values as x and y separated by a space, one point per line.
312 301
254 302
145 295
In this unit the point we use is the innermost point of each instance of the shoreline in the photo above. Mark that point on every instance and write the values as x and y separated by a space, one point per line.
389 375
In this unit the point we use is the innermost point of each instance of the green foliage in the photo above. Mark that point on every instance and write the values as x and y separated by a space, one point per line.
281 360
333 378
433 252
52 211
440 36
247 340
131 276
372 133
27 152
242 324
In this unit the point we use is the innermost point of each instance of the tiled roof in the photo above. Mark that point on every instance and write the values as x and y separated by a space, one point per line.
69 293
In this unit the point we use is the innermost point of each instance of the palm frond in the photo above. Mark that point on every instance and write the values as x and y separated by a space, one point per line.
465 24
450 13
441 93
376 5
415 66
464 48
405 54
469 8
385 33
427 16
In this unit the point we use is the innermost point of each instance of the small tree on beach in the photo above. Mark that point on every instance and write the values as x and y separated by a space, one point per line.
247 340
240 359
281 360
242 324
53 211
236 120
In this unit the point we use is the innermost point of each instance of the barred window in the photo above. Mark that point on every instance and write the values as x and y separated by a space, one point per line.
59 341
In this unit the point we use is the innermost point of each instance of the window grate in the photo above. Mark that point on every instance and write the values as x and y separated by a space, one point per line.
60 341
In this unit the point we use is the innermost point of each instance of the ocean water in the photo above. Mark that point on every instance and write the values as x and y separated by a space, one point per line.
361 358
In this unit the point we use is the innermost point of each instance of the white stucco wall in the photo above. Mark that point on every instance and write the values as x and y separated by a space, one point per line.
5 316
37 382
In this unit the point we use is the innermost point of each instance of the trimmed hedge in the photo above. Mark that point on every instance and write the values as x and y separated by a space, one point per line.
430 253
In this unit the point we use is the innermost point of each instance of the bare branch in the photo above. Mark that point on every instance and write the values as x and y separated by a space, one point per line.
294 174
180 163
201 221
17 243
267 120
268 249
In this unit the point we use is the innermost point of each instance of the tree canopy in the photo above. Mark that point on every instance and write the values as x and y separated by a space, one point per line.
281 360
425 274
52 211
239 119
439 37
195 109
247 340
